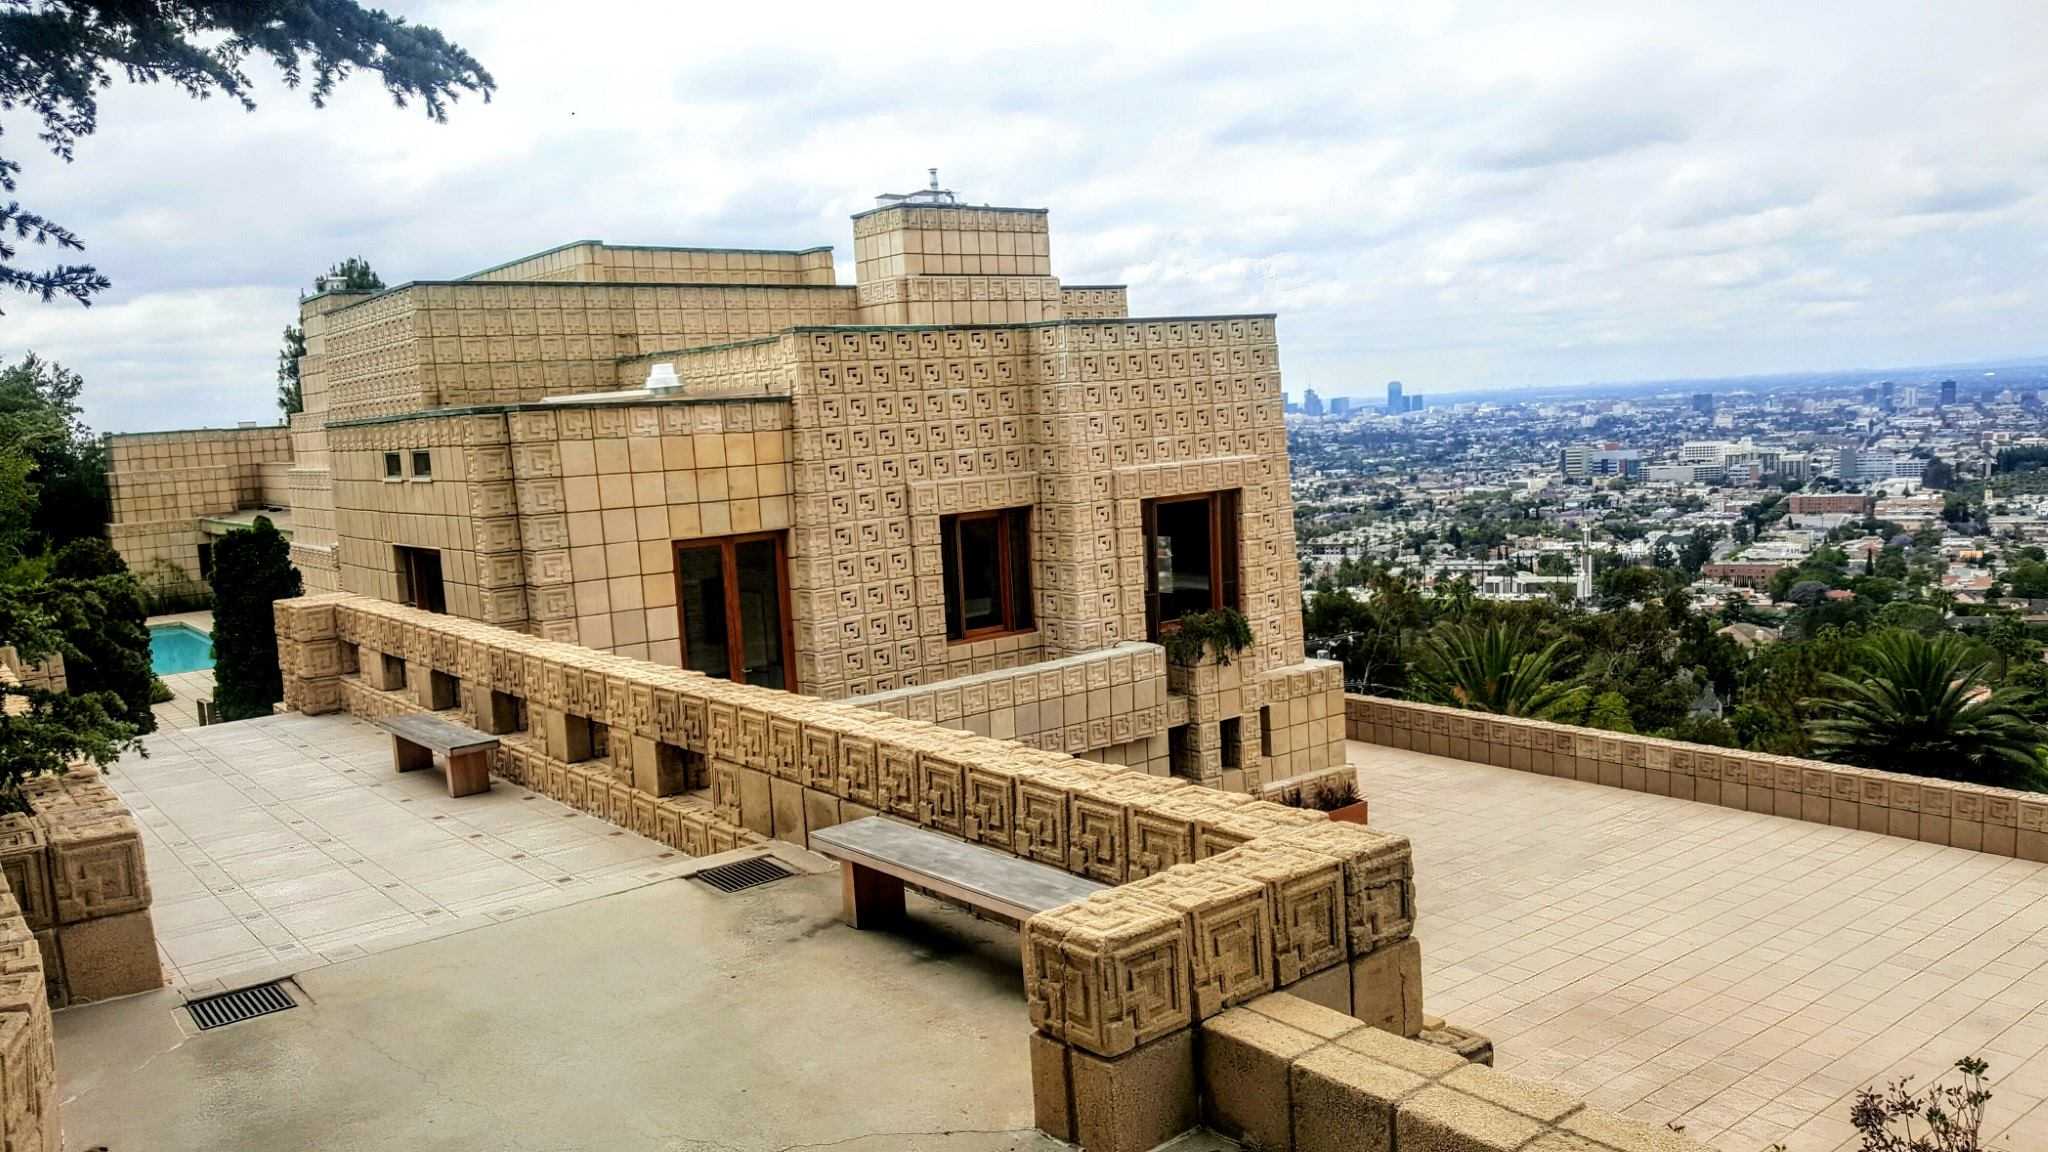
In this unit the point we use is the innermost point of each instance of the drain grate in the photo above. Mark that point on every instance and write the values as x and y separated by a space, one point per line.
741 874
239 1005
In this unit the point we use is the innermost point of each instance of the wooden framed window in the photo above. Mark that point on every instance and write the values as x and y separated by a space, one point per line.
419 578
394 466
422 464
732 604
1190 557
987 565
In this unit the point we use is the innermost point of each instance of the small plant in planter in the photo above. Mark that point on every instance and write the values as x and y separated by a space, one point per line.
1341 800
1223 631
1337 797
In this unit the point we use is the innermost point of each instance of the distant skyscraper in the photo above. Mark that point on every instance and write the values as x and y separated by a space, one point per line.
1884 395
1415 403
1948 393
1870 394
1340 405
1311 404
1703 403
1909 396
1394 404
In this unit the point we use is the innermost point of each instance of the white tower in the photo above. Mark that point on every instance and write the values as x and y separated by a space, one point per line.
1585 562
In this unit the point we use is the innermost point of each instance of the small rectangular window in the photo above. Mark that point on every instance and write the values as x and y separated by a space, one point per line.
422 465
206 561
987 571
394 468
600 741
1233 742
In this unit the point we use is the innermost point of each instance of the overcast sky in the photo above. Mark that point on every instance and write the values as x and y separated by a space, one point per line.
1458 196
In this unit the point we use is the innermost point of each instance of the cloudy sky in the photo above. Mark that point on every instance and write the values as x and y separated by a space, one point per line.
1456 195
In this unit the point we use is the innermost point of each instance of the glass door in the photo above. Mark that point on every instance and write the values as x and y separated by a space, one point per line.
732 595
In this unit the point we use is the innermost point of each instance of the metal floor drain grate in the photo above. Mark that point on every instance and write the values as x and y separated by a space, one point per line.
239 1005
741 874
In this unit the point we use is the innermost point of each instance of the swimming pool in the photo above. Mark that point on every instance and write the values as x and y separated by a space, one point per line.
175 648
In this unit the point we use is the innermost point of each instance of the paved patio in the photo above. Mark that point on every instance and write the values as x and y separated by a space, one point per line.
668 1017
289 842
1733 972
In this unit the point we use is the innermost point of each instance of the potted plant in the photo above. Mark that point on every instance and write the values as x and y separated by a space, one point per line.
1337 796
1341 800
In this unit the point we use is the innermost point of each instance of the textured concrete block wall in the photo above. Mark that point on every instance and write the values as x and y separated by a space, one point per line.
1285 1075
160 483
454 344
561 520
28 1054
1995 820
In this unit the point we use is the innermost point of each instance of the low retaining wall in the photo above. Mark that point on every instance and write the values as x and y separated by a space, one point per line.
77 871
1994 820
28 1054
1284 1075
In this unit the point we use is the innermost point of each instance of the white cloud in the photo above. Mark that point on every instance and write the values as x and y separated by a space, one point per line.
1453 194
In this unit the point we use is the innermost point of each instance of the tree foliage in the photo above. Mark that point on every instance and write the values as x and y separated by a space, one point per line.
291 399
66 476
252 569
1493 668
49 731
99 607
1924 705
60 54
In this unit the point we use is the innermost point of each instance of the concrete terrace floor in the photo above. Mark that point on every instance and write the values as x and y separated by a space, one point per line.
499 971
666 1018
287 842
1733 972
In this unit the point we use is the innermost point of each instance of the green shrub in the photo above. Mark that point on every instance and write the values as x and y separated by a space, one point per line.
1224 631
252 569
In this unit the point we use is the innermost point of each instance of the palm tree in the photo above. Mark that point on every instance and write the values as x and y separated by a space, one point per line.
1923 705
1493 668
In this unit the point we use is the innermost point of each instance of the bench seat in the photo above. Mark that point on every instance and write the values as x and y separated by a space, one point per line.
415 737
878 856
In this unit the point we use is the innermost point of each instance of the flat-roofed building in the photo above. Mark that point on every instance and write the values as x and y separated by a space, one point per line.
725 461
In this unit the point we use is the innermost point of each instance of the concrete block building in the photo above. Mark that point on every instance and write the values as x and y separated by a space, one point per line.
174 493
904 492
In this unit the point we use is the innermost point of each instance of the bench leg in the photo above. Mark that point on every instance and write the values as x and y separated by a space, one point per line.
410 757
469 773
873 899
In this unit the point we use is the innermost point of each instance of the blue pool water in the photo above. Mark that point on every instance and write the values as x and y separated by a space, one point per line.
175 648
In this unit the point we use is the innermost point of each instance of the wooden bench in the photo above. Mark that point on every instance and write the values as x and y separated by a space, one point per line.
417 736
878 855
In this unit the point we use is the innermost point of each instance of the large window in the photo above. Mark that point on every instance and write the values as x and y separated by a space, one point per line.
1190 557
988 572
732 595
419 578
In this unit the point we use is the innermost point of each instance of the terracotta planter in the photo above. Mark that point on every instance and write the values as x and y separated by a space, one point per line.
1350 813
